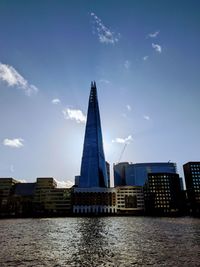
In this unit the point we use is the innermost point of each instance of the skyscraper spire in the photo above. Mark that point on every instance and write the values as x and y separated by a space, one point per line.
93 165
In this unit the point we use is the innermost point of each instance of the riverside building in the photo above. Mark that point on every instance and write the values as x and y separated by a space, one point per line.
6 190
92 193
162 193
130 200
192 180
136 174
42 198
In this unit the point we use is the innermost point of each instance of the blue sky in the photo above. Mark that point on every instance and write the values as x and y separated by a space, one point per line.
145 59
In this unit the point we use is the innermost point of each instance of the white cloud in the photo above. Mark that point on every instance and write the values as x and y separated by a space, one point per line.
123 140
154 34
55 101
145 58
104 81
128 107
22 180
127 64
157 47
64 184
12 168
12 78
146 117
105 34
16 142
74 114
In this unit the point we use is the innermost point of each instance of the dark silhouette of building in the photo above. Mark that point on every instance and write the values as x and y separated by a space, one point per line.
192 180
93 165
162 193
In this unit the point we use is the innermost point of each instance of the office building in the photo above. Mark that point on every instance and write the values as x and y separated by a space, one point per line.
6 190
162 193
130 200
22 199
93 165
58 202
95 201
136 174
192 181
43 186
120 173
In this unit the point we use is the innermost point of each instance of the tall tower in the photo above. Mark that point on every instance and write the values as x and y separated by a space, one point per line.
93 165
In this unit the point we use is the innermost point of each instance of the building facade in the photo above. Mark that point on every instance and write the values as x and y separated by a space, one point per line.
96 201
162 194
136 174
192 181
130 200
6 191
93 164
58 202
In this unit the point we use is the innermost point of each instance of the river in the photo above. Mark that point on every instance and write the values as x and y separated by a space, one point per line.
100 241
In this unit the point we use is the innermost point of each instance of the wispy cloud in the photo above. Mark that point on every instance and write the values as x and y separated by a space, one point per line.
128 107
105 35
12 78
146 117
55 101
157 47
64 184
154 34
12 168
104 81
16 142
120 140
127 64
74 114
145 58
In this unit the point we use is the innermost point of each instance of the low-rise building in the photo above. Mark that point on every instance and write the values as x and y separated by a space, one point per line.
130 200
22 199
94 201
58 201
6 191
43 186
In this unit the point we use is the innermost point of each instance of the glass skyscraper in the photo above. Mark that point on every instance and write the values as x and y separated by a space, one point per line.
93 165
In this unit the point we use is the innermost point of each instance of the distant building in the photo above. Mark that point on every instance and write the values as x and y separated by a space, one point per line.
108 173
22 199
130 200
192 180
93 165
136 174
6 190
58 201
43 186
120 174
94 201
162 193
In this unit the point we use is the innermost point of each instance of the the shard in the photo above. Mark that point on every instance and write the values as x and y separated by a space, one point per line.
93 165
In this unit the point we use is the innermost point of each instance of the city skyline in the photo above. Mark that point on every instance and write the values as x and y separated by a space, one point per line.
144 58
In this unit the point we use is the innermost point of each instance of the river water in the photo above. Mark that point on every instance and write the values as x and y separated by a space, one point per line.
100 241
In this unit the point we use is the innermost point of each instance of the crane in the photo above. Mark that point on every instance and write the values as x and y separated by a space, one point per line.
122 152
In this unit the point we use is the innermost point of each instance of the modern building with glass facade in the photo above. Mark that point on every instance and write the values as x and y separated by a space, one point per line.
136 174
93 166
192 181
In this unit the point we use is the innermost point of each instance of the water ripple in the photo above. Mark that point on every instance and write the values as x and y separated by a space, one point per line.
109 241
